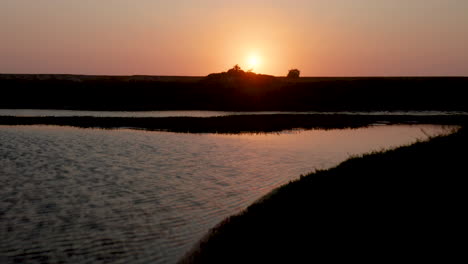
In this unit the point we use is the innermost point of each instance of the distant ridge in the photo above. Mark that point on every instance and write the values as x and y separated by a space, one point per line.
238 91
79 77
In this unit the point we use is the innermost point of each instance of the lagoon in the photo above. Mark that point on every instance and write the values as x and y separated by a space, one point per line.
91 195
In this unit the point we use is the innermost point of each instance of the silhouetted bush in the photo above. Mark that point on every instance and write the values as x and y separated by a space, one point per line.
294 73
235 70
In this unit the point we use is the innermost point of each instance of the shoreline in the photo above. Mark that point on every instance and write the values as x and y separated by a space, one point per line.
402 203
236 123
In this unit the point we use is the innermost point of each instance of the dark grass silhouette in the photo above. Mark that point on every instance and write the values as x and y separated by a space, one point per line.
404 204
235 123
233 91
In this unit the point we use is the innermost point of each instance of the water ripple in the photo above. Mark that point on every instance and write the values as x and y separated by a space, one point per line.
72 195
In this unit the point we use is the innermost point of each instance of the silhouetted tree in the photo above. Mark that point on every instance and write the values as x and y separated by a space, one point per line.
235 69
294 73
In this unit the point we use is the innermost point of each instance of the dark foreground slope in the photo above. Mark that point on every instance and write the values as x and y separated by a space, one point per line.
405 204
232 91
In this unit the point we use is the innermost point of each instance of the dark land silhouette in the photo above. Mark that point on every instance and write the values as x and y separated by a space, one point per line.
234 90
406 204
385 206
237 123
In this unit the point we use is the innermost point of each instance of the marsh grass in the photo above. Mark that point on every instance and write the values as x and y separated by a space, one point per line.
403 204
234 124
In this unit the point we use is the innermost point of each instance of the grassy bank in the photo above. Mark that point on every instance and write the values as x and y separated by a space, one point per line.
404 204
234 124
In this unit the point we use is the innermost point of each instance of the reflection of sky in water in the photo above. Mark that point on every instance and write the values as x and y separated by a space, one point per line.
43 112
81 195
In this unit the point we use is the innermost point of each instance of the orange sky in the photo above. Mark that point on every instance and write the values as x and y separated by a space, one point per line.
151 37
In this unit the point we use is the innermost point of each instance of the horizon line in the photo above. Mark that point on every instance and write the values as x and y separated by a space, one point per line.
201 76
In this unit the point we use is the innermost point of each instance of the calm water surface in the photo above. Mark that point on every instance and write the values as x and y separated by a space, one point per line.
124 196
191 113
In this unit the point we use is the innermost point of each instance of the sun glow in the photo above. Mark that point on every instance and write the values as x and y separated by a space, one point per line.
252 62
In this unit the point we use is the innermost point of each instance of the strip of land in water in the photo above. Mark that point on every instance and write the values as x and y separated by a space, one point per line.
408 203
236 123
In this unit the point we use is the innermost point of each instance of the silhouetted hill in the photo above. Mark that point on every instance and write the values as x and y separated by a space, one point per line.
242 91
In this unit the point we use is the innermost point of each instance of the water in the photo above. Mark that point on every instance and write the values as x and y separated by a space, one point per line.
125 196
192 113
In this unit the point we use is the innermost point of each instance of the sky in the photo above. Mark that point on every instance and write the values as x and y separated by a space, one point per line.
198 37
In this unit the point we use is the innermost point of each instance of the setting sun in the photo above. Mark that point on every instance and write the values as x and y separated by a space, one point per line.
252 62
128 132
